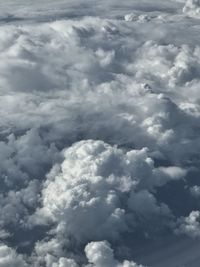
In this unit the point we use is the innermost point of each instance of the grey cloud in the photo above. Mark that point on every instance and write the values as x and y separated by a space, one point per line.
190 225
9 258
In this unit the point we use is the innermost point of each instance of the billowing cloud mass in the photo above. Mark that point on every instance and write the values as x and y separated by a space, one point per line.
99 133
100 254
102 183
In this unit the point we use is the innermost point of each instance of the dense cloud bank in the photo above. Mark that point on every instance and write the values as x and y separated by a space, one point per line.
99 134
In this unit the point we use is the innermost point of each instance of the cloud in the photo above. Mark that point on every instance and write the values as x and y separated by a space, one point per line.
94 185
190 225
8 257
192 8
100 254
195 191
99 134
63 262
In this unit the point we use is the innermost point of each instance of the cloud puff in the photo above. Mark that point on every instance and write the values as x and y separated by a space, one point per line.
106 189
135 17
172 65
190 225
63 262
100 254
192 8
9 258
195 191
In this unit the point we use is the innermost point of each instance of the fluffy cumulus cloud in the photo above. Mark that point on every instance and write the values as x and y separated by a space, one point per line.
99 133
101 254
99 186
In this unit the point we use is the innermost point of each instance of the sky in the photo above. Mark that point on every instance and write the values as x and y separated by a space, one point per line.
99 133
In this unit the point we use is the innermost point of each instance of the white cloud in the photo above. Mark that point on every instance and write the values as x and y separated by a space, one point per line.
100 254
100 186
192 8
127 75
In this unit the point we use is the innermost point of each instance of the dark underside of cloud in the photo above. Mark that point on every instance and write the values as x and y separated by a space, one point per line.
99 133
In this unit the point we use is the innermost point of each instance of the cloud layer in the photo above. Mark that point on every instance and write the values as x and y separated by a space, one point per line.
99 134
